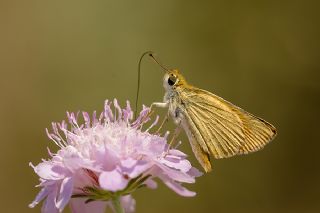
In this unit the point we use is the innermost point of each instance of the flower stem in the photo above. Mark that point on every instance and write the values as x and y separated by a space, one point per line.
117 205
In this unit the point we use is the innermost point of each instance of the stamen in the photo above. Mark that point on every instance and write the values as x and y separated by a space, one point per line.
56 131
108 115
178 144
153 124
86 118
117 107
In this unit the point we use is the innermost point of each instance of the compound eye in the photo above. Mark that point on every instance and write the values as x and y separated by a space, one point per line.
172 80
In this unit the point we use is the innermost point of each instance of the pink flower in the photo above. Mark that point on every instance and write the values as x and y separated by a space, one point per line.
106 157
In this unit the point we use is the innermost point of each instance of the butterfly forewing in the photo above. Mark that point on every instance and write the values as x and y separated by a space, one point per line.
221 128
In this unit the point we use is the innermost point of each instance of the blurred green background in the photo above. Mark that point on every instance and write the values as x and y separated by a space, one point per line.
261 55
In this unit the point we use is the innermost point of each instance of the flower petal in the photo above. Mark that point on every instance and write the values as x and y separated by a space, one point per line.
177 187
99 153
176 174
40 196
128 203
78 205
112 181
177 152
137 169
66 189
151 183
50 171
182 165
129 163
194 172
49 205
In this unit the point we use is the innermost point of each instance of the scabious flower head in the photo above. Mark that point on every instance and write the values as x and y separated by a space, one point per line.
106 157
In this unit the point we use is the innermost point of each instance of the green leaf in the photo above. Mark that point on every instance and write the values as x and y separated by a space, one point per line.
79 195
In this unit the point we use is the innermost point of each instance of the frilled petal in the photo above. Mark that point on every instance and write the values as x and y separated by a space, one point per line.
73 159
128 203
176 187
134 168
84 178
154 146
176 163
50 170
128 163
194 172
66 189
99 153
113 181
151 183
176 152
40 196
49 205
78 205
175 174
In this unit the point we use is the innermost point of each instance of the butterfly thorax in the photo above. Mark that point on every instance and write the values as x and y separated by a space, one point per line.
174 83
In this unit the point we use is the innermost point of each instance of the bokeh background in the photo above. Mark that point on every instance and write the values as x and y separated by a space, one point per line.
73 54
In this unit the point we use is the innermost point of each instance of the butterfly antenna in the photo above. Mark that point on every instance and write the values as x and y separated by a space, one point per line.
138 86
151 54
157 61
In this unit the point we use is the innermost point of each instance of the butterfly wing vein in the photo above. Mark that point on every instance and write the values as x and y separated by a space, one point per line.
220 128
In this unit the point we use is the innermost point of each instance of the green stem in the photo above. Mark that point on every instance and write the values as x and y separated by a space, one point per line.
117 205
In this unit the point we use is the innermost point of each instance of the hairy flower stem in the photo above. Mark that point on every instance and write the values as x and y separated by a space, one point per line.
117 205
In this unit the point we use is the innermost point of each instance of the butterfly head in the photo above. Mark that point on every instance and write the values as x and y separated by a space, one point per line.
173 79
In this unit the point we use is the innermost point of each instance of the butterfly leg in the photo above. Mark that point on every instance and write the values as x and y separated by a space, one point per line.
166 118
175 135
159 104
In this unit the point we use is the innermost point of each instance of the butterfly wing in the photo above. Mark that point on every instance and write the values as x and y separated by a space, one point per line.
198 146
221 128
